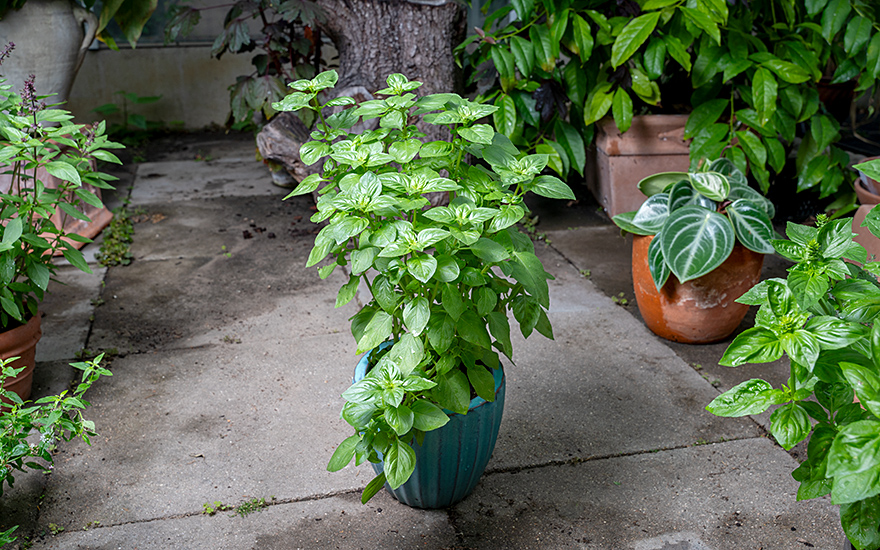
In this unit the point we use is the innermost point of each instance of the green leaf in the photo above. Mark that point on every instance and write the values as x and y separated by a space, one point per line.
542 42
76 259
428 416
856 449
598 103
422 266
856 487
523 8
343 454
399 463
434 149
307 185
399 418
478 133
678 51
505 117
453 391
312 151
704 115
834 18
657 264
416 314
489 251
526 268
407 353
377 331
482 380
751 225
789 425
655 58
866 384
704 22
858 33
441 331
524 55
583 37
63 171
551 187
404 151
622 109
374 486
504 64
695 241
634 34
753 345
764 92
485 299
711 184
472 328
348 291
499 326
861 521
573 143
748 398
12 231
451 301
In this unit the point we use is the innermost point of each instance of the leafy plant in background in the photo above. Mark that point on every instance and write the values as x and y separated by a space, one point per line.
134 126
56 418
560 65
824 317
288 43
696 219
752 68
29 149
442 278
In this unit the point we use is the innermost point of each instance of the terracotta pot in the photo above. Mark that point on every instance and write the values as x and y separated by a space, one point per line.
866 188
653 143
21 342
699 311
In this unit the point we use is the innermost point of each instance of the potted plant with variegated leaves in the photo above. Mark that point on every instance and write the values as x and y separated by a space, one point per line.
699 243
442 280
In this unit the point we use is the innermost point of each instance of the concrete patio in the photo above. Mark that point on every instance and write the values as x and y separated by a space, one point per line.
230 361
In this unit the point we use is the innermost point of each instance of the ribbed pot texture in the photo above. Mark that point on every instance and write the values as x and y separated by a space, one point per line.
699 311
451 459
21 342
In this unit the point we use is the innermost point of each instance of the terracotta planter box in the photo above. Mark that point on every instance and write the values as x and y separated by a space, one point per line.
654 143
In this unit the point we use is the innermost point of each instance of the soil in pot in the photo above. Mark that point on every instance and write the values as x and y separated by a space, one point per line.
700 311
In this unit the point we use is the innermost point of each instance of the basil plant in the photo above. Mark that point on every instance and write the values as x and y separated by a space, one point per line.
696 218
442 279
824 317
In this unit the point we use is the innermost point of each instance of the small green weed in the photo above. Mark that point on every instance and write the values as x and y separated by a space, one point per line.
97 302
227 339
585 273
251 506
225 252
620 300
211 509
116 248
91 525
55 529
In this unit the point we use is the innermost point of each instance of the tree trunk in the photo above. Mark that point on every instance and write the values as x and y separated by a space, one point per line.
376 38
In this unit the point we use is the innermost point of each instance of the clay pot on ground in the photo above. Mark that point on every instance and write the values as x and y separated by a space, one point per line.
21 342
653 144
700 311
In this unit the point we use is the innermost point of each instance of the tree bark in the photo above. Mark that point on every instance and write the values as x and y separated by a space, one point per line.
376 38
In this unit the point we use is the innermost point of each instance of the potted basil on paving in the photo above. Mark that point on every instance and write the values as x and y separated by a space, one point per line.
699 243
824 317
442 279
30 153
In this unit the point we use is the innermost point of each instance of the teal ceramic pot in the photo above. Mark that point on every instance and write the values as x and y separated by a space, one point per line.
450 460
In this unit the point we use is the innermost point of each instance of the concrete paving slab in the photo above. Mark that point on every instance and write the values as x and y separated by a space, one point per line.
725 496
68 308
604 387
336 522
186 229
172 181
186 427
153 305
